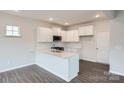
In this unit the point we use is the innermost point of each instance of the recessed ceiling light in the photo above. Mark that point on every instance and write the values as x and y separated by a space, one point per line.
97 15
66 23
50 19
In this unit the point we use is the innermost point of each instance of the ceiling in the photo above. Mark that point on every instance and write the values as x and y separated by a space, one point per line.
70 17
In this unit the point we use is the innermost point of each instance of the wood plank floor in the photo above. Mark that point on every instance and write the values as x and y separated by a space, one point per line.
89 73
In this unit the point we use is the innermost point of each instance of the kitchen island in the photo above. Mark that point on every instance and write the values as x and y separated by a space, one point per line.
63 64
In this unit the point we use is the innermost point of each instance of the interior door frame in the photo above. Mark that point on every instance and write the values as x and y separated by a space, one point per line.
97 48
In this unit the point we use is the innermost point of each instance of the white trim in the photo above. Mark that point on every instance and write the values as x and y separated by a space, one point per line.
118 73
19 31
15 67
94 60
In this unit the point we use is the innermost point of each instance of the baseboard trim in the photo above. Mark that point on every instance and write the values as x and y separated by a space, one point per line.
88 59
117 73
17 67
94 62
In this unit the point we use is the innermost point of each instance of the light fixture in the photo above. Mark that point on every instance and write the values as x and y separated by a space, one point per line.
66 23
97 15
50 19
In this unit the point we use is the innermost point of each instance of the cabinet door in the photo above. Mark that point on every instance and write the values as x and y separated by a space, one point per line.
69 36
72 36
56 31
63 34
89 30
49 36
86 30
59 32
81 31
75 36
44 35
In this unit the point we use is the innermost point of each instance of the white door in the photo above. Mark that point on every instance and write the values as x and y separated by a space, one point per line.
102 41
88 48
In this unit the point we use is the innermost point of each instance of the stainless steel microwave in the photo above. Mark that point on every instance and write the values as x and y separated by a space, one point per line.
57 38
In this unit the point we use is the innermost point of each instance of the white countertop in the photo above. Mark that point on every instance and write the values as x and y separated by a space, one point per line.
62 54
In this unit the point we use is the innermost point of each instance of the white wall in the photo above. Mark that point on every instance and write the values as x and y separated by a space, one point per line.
87 45
15 52
117 44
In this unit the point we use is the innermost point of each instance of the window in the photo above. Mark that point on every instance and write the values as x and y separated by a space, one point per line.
12 30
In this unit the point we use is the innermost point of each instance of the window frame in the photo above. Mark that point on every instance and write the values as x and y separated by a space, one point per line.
19 31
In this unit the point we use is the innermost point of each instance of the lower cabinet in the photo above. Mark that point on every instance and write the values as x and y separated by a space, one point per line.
65 68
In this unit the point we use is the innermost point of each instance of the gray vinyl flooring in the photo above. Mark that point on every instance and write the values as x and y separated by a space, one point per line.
89 73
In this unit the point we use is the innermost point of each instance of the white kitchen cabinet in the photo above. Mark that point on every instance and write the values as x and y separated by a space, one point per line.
72 36
64 64
56 31
86 30
69 36
75 36
44 34
63 34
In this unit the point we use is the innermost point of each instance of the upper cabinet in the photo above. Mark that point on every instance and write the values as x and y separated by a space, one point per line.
72 36
44 34
86 30
56 31
75 36
69 36
63 34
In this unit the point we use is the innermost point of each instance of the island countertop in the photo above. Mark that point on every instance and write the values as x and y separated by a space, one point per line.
62 54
